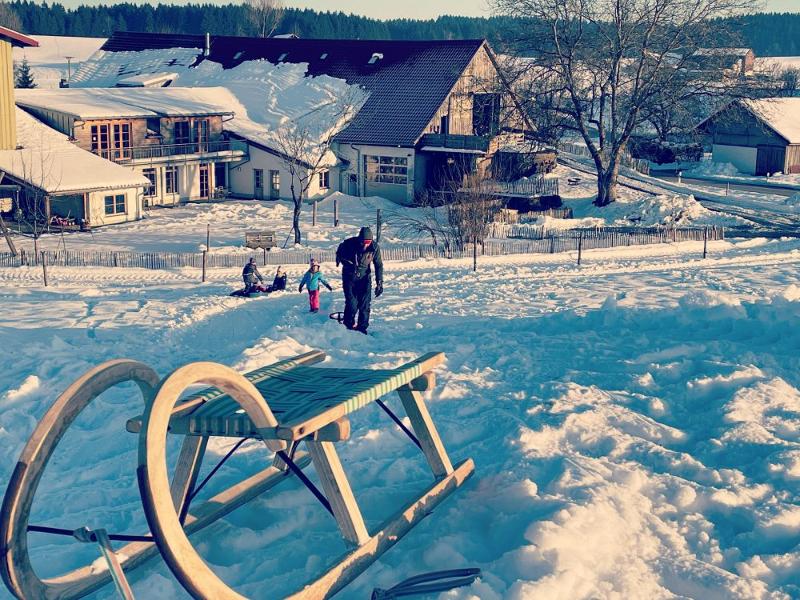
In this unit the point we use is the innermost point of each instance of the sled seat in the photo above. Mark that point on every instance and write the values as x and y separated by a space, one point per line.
306 400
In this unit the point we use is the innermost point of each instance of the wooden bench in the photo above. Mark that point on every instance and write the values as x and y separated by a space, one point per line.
260 239
282 404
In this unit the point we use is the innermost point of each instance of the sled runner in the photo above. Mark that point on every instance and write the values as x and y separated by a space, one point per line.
283 404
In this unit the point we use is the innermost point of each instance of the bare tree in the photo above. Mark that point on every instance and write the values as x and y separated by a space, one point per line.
265 15
454 218
305 147
8 18
609 63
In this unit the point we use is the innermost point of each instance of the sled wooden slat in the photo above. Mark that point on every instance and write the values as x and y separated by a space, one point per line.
303 398
211 394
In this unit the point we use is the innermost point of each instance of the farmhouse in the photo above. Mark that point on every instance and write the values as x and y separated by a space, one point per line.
171 136
428 111
758 137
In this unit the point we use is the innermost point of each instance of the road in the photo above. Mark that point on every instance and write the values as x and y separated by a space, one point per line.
719 186
778 222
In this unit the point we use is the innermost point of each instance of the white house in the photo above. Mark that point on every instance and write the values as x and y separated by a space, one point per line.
57 178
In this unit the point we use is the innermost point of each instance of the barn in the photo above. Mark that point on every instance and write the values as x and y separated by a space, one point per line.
758 137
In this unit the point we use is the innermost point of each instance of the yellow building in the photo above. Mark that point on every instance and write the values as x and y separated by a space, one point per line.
8 128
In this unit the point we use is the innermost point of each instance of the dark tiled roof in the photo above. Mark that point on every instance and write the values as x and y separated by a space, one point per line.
407 85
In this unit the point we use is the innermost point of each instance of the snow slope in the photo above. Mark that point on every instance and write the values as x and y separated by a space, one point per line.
635 422
49 62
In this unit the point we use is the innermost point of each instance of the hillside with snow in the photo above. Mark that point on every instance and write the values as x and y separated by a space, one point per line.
635 421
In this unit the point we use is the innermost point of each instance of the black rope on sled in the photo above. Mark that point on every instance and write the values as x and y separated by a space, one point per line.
114 537
429 583
400 424
306 481
230 453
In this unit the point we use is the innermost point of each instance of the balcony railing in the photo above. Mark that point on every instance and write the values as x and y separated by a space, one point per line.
157 151
455 142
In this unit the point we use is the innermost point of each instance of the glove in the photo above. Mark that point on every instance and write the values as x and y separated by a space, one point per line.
378 290
330 289
300 289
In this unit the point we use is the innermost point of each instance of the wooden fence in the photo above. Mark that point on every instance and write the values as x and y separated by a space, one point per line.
530 239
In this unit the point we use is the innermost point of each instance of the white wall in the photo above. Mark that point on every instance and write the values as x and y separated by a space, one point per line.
742 157
355 155
241 178
133 206
188 183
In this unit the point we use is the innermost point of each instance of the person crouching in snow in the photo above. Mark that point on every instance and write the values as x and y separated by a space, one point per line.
312 280
279 283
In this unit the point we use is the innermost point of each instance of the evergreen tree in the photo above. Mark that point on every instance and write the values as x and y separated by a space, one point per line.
23 78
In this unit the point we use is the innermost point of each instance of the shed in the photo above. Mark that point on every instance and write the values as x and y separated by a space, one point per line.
757 136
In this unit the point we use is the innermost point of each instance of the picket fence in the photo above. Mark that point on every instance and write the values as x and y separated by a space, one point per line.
521 239
608 237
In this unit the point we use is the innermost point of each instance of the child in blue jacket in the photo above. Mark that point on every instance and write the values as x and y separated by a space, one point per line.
312 280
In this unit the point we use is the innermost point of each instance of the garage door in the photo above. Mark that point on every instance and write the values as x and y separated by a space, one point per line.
770 159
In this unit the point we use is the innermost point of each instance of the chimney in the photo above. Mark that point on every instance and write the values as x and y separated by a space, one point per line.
207 49
8 115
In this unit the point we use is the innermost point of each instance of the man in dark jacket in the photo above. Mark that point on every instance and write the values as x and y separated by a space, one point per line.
251 276
357 255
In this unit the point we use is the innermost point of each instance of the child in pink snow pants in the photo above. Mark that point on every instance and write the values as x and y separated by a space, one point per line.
312 280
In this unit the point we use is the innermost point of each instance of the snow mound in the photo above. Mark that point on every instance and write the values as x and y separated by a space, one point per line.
676 210
709 167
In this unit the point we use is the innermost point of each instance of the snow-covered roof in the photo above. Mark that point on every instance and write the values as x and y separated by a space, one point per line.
404 82
722 51
782 115
146 80
49 161
109 103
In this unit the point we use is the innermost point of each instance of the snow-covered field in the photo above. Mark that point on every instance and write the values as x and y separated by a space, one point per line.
183 229
635 422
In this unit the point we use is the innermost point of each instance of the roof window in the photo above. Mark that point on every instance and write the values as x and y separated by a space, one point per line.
238 55
324 56
376 56
283 56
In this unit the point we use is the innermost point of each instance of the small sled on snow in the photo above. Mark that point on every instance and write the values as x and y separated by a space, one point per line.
283 404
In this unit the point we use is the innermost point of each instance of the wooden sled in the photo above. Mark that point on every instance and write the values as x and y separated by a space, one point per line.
304 404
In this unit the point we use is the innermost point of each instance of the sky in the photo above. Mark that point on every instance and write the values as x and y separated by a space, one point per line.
411 9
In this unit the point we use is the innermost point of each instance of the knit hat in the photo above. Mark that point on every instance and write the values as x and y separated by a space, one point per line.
365 234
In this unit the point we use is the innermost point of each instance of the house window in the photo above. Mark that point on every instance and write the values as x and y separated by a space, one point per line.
200 133
386 169
486 114
122 140
154 126
171 180
100 139
150 190
274 184
324 179
183 132
115 205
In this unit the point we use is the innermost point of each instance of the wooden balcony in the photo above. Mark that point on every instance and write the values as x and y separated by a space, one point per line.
455 143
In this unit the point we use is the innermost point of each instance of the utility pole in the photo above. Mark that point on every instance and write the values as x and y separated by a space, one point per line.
69 68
